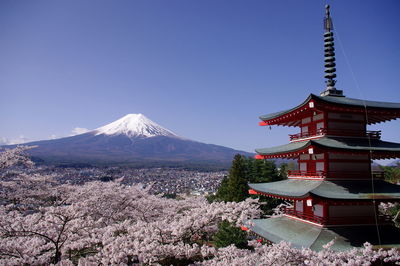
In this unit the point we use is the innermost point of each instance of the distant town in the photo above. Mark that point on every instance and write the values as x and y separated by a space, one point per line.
161 180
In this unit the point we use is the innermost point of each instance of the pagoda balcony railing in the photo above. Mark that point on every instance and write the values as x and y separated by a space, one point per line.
311 174
335 174
336 132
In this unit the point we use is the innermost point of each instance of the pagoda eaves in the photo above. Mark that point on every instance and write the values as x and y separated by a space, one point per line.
376 111
329 189
379 149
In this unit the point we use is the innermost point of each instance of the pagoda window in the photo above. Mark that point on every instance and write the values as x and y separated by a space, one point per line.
320 125
320 167
311 164
319 156
304 129
318 210
298 205
306 120
304 156
318 117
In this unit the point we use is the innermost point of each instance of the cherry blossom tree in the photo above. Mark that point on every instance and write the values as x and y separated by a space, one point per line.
284 254
117 223
15 156
106 223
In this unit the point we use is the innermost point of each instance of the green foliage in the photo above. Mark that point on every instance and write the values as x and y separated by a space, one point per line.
211 198
223 190
394 212
229 234
283 170
234 187
392 174
267 204
261 171
237 181
106 178
170 195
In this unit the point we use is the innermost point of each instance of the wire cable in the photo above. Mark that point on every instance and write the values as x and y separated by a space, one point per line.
369 139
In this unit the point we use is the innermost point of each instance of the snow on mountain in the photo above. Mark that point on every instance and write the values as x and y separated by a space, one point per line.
134 126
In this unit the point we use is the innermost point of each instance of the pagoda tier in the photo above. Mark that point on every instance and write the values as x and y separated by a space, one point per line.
334 184
328 203
337 109
333 157
333 145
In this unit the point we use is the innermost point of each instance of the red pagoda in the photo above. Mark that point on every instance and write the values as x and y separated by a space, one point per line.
335 193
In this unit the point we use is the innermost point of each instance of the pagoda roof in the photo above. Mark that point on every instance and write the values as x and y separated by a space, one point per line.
379 148
304 235
293 188
330 189
357 102
377 111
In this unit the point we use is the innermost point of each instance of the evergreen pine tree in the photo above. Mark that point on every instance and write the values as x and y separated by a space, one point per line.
283 170
244 170
228 234
237 182
223 190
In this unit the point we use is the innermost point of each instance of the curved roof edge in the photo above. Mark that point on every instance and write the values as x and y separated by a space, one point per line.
277 114
348 190
287 188
344 101
347 144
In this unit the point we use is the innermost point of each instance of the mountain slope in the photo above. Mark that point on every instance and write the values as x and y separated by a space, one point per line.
133 138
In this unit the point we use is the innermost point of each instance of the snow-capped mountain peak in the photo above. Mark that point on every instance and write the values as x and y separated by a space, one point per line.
134 125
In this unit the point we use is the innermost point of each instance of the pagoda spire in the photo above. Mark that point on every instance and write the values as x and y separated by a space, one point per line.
329 49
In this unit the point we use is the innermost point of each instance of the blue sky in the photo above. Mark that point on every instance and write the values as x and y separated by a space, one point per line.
203 69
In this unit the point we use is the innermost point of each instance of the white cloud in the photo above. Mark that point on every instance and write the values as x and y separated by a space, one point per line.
19 140
3 141
22 139
79 130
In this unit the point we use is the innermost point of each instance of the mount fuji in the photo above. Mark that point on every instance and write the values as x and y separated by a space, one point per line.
132 139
